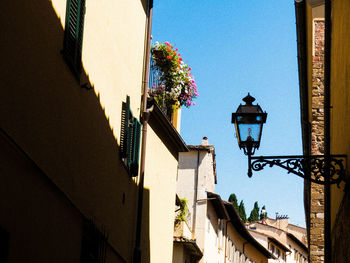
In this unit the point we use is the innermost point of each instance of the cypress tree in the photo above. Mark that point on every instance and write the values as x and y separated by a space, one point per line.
254 214
241 212
233 200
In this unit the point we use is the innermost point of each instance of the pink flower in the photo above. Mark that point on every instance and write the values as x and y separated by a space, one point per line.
194 104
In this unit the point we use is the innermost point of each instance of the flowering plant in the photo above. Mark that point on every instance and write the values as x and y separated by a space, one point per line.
175 83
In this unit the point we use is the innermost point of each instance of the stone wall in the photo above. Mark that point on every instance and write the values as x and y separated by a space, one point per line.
317 143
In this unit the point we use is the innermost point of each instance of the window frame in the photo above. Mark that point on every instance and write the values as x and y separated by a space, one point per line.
130 139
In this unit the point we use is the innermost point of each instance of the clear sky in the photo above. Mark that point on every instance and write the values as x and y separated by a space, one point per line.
235 47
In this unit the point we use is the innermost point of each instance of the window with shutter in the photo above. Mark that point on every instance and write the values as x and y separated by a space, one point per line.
73 35
130 134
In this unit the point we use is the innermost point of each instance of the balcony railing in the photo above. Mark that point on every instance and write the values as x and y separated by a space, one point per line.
154 82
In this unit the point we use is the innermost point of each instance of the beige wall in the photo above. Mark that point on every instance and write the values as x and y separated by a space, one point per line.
34 213
211 245
242 246
340 128
160 180
185 185
70 132
340 94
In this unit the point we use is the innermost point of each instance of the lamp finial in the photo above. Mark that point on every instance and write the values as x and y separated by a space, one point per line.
248 99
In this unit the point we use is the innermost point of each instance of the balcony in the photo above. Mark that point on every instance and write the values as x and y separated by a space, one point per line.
171 84
159 94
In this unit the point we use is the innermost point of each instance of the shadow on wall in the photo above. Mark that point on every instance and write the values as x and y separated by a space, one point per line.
191 163
65 161
145 240
144 4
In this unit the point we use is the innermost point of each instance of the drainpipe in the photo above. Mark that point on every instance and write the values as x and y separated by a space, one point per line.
327 108
195 197
145 117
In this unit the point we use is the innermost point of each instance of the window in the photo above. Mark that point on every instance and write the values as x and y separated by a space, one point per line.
278 252
130 134
4 245
272 248
93 245
73 35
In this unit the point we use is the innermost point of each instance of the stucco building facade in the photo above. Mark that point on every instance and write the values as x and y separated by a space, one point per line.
213 228
73 81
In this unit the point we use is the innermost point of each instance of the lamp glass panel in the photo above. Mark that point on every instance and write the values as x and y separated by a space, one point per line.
246 130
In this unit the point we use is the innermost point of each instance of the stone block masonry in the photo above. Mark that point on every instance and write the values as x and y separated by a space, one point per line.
317 143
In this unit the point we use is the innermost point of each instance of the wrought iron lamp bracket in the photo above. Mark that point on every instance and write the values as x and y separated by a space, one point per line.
311 167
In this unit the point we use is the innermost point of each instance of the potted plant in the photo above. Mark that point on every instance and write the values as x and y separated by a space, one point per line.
175 86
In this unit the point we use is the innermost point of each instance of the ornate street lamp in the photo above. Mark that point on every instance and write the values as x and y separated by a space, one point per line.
320 169
249 120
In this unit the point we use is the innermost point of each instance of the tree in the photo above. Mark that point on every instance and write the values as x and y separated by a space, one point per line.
241 212
263 215
233 200
254 214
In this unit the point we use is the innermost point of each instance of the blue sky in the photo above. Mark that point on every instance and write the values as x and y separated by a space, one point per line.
235 47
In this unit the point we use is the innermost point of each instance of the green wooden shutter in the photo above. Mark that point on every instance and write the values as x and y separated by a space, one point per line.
73 34
124 130
130 143
130 133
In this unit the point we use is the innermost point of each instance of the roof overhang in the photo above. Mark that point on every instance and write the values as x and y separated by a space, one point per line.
190 246
278 243
218 204
297 241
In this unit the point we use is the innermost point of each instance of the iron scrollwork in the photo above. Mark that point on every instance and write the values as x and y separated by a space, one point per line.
308 167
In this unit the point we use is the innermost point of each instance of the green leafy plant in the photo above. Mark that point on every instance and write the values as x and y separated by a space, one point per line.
182 214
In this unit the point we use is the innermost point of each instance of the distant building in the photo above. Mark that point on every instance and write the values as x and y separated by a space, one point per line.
212 231
285 241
